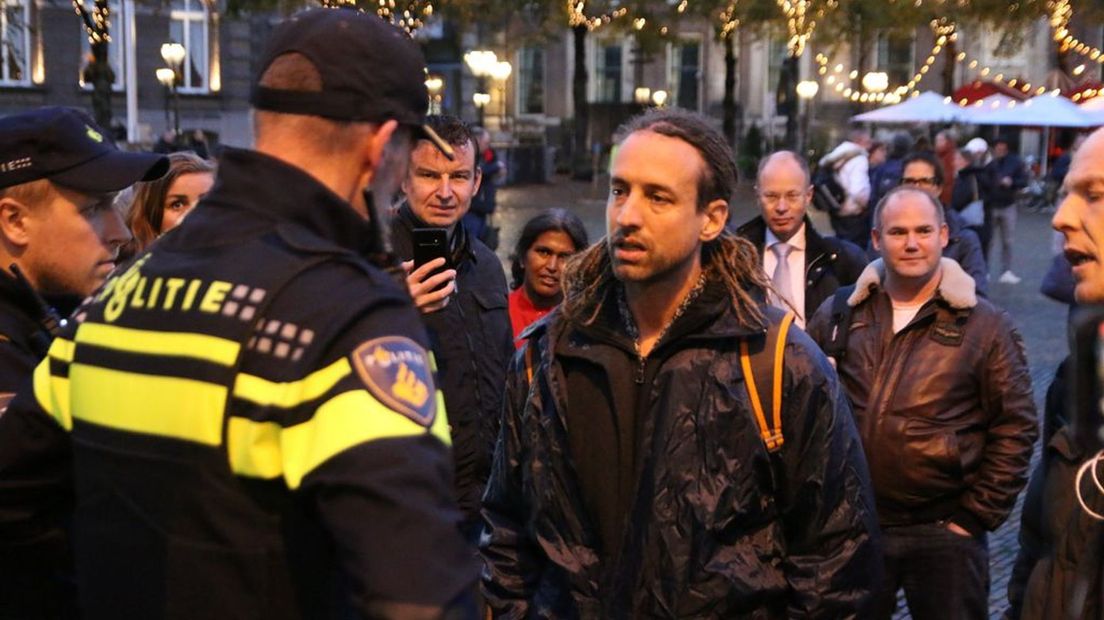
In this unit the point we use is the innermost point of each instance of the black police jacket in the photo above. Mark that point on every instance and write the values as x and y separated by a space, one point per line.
719 527
253 420
472 342
830 262
35 566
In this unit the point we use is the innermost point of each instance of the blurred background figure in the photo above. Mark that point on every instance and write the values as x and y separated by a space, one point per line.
166 142
545 244
159 206
477 219
886 174
946 148
1009 176
972 183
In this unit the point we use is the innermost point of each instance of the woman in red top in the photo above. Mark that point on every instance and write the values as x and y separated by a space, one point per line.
545 244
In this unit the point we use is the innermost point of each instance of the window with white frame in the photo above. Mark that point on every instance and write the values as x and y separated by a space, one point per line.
608 71
189 26
530 80
777 51
896 57
115 50
15 43
684 62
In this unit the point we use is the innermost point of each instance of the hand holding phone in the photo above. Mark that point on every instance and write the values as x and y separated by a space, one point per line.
429 279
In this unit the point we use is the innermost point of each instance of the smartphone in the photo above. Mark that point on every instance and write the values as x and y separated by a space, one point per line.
430 243
1086 407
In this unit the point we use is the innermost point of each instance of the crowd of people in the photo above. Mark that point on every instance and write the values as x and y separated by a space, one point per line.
977 186
298 383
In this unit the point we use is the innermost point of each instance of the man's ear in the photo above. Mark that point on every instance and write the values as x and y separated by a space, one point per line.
376 143
478 176
876 240
716 215
14 222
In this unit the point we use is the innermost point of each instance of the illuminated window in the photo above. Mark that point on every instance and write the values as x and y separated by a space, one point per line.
190 26
896 58
608 72
684 60
15 43
530 80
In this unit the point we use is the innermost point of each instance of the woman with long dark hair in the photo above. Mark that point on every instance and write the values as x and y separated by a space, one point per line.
546 242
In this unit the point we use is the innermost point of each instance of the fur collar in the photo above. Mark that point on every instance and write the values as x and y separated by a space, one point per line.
957 288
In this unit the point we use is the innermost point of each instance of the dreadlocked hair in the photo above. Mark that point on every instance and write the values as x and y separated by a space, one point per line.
728 260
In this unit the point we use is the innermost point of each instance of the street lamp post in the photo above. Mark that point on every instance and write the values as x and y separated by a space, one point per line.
173 55
501 71
806 90
434 84
482 64
167 78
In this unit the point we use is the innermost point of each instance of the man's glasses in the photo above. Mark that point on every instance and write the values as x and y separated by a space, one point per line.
918 181
772 198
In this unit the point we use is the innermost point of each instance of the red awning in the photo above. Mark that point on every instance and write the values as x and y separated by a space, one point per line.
979 89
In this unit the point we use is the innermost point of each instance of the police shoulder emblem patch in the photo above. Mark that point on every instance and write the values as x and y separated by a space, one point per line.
396 371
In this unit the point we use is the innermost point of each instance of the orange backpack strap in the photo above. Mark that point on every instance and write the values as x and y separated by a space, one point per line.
768 362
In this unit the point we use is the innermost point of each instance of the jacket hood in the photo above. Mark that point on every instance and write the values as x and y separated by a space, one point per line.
956 287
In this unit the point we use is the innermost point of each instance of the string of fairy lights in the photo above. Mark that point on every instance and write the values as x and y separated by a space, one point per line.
411 15
95 21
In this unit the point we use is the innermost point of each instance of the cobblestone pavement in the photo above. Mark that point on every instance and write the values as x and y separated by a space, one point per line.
1040 321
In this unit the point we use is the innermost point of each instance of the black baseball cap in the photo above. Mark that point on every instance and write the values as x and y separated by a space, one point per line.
371 71
66 146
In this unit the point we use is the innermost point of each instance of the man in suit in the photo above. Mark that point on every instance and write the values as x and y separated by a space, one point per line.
814 266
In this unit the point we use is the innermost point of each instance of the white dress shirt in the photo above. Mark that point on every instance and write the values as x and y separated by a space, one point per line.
796 260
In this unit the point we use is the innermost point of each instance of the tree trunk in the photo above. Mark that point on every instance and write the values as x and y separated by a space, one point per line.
861 60
729 105
102 79
581 164
99 72
950 53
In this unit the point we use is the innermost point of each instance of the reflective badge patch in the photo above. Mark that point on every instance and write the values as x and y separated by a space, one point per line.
396 371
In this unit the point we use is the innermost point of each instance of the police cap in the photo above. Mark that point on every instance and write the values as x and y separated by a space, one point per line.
371 71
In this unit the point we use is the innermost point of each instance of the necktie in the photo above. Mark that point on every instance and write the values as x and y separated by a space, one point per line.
781 277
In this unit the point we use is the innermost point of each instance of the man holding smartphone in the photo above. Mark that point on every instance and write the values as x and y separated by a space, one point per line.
458 284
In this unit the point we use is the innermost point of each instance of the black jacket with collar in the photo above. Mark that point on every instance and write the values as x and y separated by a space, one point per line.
830 262
472 342
717 527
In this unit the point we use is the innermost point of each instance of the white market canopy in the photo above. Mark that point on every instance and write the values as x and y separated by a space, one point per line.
1041 111
927 107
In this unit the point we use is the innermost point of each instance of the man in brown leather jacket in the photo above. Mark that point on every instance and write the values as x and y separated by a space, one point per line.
940 388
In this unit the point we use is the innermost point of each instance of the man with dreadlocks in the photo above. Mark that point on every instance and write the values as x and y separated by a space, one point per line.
631 478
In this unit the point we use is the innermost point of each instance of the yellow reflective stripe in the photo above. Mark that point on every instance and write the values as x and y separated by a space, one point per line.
52 394
155 405
344 421
440 428
293 393
183 344
62 349
254 448
259 450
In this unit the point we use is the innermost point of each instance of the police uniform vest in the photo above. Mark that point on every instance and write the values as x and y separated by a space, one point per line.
195 426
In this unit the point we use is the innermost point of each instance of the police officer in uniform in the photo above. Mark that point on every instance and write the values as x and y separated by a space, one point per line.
59 239
255 430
